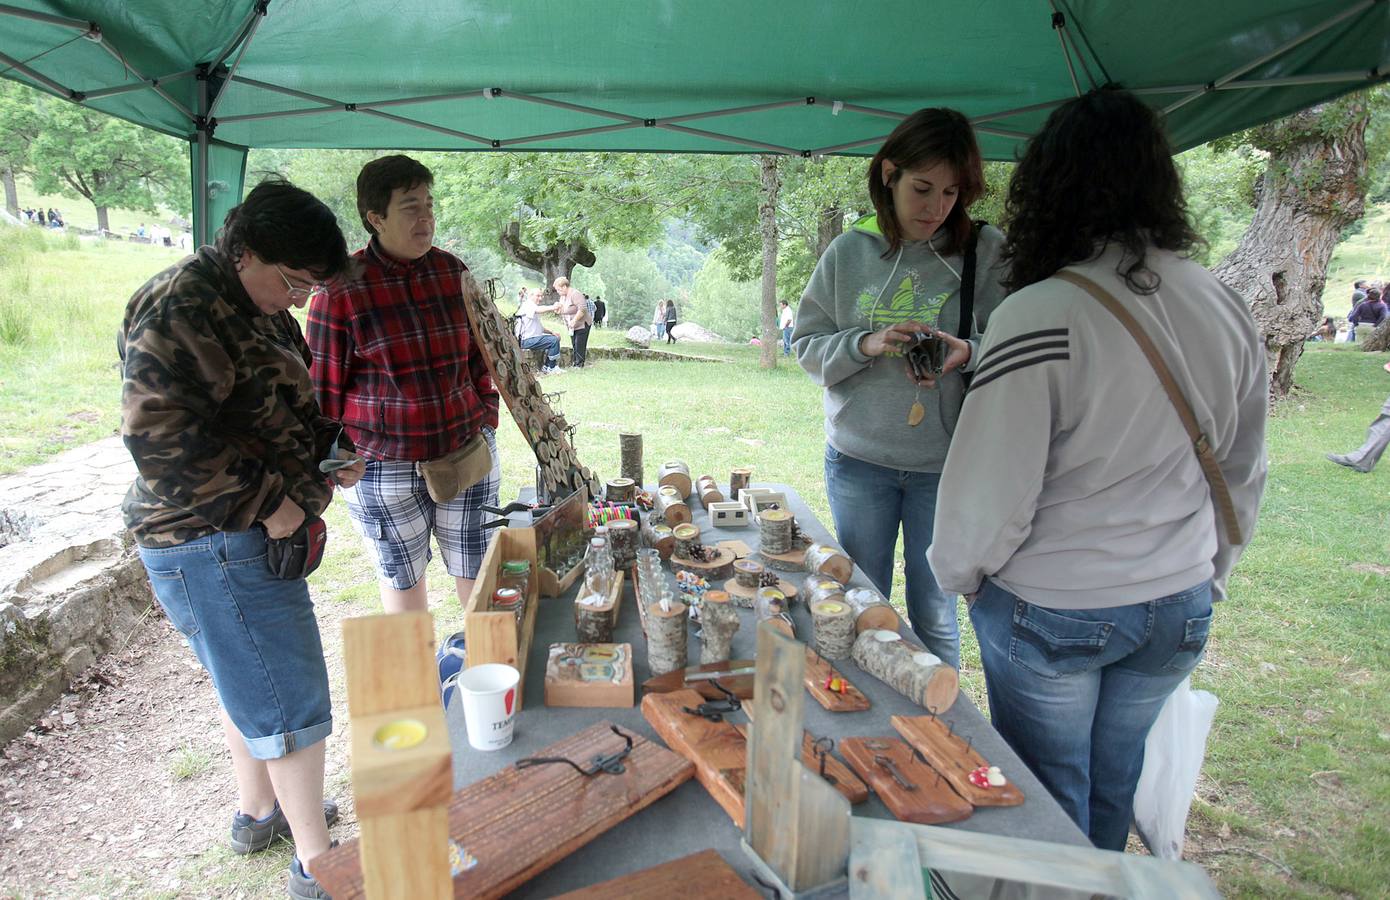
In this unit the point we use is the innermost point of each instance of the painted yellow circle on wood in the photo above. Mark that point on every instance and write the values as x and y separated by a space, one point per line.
686 531
401 734
776 515
830 608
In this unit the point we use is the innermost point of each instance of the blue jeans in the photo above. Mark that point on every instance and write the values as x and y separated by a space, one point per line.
868 503
547 342
786 341
1075 691
254 633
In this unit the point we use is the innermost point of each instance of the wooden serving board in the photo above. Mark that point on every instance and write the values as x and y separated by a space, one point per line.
693 877
846 782
717 749
930 802
817 670
749 595
955 759
519 822
740 685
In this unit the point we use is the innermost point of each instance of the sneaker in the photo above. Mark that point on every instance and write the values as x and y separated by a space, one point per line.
302 886
250 836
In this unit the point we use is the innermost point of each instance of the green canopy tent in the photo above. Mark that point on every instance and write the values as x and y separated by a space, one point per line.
807 77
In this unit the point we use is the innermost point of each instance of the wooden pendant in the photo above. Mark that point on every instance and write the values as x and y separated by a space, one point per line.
912 790
916 414
955 759
519 822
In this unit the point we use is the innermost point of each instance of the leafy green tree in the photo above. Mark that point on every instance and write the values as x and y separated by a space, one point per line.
18 124
723 303
629 283
79 152
330 175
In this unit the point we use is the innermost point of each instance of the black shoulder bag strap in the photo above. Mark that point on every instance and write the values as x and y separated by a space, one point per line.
967 291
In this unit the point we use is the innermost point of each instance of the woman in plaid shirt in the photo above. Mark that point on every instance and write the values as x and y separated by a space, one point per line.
396 362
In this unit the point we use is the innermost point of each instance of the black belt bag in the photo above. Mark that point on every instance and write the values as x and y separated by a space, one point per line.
298 555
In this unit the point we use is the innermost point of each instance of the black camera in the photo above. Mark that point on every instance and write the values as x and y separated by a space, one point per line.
925 355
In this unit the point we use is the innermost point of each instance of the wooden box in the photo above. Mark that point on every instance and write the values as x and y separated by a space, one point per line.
747 495
728 514
589 675
492 636
401 761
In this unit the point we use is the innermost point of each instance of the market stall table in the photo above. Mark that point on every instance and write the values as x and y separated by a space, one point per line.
688 819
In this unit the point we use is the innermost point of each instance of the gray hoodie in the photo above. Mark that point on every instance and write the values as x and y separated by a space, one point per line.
855 291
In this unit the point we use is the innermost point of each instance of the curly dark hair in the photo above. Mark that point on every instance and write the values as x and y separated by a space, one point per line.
926 137
281 223
1100 171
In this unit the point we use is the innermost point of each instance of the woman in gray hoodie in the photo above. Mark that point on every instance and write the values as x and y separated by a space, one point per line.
898 274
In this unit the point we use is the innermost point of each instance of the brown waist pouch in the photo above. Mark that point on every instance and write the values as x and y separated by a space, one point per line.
453 473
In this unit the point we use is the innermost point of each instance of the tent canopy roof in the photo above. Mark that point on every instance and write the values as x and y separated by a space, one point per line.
803 77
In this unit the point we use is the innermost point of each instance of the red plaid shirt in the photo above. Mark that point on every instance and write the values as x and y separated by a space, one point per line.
394 359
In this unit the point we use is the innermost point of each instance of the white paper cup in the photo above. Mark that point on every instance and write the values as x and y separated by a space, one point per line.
488 693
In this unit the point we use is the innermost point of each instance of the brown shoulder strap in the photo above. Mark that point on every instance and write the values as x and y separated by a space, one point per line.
1220 492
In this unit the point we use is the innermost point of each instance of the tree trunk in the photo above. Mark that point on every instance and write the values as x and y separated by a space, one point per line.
830 226
103 223
1312 189
11 192
553 262
1380 340
767 218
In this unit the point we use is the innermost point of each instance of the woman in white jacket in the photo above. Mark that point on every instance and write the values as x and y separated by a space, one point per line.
1074 514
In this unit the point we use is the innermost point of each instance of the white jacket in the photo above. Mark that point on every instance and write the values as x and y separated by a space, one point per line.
1070 480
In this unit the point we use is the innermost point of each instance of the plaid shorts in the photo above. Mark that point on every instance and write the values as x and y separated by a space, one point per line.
395 515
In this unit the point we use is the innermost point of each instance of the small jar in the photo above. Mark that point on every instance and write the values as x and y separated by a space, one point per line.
507 599
516 573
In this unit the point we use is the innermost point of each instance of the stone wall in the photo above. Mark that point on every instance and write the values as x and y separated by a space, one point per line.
71 584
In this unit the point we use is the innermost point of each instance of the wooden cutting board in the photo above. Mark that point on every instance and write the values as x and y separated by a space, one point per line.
507 828
740 685
818 669
930 800
955 759
693 877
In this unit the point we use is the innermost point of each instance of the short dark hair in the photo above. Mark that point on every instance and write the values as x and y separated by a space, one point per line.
1372 295
284 224
381 177
1359 284
928 136
1100 171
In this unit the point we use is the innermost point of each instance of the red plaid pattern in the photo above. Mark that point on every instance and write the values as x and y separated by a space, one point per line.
394 360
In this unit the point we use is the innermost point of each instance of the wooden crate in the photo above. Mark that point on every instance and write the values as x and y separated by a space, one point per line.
491 636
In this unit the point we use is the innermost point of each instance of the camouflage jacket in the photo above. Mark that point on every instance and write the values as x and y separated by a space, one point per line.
216 407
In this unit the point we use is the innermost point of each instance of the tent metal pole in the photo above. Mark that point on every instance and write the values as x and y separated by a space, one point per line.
403 101
241 54
561 104
1059 25
851 145
12 63
578 132
737 110
477 139
61 22
1277 52
1077 30
248 26
1018 110
1293 80
154 86
135 86
772 148
289 92
280 114
200 166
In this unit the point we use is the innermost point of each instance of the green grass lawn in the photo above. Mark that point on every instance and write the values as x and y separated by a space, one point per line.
1365 254
80 213
1295 798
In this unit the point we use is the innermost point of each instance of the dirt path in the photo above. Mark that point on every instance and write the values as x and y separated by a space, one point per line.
124 788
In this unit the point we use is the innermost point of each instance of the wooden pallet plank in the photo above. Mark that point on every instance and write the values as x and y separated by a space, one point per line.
955 759
717 749
693 877
930 800
883 862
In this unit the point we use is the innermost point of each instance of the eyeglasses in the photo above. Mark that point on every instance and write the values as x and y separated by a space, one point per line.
297 293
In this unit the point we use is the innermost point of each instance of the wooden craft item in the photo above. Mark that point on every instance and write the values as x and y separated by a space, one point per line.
718 622
797 825
727 514
402 764
738 548
658 536
912 790
623 538
670 507
955 758
824 559
775 529
560 544
908 669
746 495
832 623
687 536
871 611
746 597
719 751
666 637
771 606
620 490
630 453
560 471
511 826
694 877
738 480
718 568
792 561
883 862
709 491
740 685
769 502
494 636
589 675
594 624
850 785
816 588
819 674
676 474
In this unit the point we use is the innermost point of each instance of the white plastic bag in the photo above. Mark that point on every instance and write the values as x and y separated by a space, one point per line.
1173 755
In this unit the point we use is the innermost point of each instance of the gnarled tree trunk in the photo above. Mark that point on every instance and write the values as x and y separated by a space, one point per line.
551 263
1312 189
11 192
829 226
767 219
1380 340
